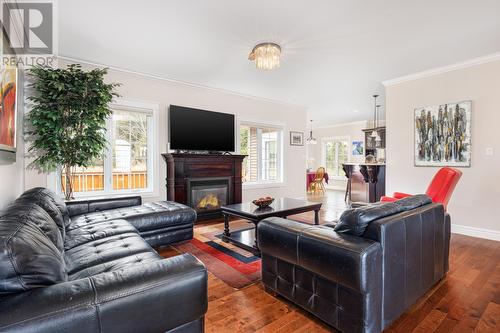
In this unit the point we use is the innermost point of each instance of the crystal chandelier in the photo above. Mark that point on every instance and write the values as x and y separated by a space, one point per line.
266 56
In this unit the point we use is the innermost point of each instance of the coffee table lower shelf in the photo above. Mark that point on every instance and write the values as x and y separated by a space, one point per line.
244 238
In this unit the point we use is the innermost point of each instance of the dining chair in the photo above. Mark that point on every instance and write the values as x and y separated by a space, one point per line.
317 184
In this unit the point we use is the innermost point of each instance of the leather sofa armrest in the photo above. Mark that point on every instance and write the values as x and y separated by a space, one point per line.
352 261
153 297
78 207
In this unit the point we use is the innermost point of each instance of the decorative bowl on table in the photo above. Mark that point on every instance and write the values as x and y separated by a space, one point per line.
263 202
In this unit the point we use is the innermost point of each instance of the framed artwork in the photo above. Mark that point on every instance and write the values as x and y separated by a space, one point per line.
296 138
443 135
8 106
357 148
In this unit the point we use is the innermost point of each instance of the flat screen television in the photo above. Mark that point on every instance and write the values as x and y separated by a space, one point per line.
195 129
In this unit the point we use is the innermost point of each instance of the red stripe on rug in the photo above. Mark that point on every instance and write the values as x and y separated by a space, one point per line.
235 263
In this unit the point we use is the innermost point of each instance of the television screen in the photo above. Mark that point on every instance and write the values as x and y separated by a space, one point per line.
194 129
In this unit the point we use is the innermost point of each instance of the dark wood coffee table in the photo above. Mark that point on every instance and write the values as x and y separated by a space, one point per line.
281 207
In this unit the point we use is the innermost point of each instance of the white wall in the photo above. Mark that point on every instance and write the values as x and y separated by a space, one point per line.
351 130
12 176
162 92
477 196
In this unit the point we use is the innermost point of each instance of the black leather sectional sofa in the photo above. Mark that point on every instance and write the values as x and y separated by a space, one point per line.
88 267
361 274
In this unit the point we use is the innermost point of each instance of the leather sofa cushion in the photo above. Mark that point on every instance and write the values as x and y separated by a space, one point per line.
96 231
355 221
113 265
45 200
148 216
52 203
413 202
28 258
79 207
33 214
103 250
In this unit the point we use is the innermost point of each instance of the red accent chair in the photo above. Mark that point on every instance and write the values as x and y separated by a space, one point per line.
439 190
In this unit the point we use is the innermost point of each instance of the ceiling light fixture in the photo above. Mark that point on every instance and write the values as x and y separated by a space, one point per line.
266 56
310 140
375 109
378 139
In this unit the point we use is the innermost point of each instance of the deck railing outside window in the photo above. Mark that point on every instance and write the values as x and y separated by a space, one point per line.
94 181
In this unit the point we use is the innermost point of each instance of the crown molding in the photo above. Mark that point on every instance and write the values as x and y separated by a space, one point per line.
359 122
444 69
189 84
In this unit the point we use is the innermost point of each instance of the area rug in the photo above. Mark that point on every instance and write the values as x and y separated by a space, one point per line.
233 265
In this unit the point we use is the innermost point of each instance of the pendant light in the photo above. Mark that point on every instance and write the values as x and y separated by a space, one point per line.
377 138
374 132
310 140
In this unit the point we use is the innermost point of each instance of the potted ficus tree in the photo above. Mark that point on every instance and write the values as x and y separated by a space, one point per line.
67 119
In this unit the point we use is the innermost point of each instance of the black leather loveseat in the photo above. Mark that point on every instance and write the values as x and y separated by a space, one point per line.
63 274
363 273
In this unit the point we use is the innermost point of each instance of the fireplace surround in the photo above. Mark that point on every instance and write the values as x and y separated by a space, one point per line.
204 181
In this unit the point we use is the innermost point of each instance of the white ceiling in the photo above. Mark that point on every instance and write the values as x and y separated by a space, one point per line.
335 52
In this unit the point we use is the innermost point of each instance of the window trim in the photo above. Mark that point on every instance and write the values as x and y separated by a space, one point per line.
153 143
324 141
280 156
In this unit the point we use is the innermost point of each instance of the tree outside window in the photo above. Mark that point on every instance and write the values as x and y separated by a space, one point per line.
127 156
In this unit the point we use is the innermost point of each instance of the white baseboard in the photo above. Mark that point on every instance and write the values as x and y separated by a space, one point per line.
475 232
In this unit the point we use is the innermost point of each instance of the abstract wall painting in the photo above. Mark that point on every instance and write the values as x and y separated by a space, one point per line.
8 101
443 135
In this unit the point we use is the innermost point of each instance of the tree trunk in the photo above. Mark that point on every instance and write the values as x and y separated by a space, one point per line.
68 188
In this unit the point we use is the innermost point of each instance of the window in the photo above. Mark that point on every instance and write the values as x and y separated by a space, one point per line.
127 165
130 150
262 144
335 152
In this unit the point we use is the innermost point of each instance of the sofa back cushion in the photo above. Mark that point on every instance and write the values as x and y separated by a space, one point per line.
50 210
355 221
36 215
79 207
413 202
28 257
52 203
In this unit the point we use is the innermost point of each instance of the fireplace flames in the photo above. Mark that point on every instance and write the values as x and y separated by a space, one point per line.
209 201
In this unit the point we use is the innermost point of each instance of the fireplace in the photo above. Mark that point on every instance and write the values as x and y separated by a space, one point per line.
207 195
204 181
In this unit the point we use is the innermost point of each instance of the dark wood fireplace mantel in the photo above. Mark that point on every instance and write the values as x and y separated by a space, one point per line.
182 168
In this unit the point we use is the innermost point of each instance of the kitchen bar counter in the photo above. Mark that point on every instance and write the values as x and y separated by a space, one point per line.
349 163
366 181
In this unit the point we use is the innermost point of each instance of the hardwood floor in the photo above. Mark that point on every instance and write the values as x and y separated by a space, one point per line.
467 300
